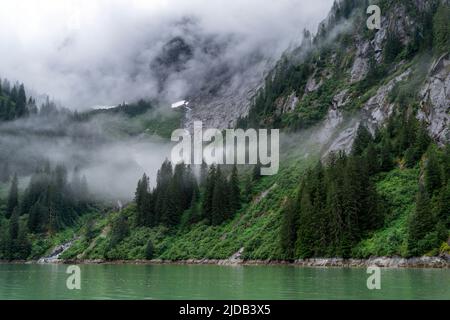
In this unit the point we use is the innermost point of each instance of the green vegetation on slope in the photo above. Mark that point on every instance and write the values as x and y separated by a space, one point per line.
378 214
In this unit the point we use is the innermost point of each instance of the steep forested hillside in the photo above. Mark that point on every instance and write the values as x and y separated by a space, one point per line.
13 101
378 199
45 151
364 168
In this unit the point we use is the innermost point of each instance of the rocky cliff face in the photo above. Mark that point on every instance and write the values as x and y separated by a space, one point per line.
338 129
221 109
435 100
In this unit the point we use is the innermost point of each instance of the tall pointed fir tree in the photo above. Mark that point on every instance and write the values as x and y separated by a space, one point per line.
13 197
420 223
235 192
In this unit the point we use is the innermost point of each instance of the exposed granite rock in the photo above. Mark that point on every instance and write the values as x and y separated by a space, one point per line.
312 84
333 120
386 262
435 100
344 139
221 109
286 104
360 66
377 109
378 40
234 259
340 99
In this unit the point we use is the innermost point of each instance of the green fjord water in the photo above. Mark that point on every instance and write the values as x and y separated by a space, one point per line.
31 281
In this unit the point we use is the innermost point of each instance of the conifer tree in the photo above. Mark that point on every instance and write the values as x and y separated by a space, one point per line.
141 195
386 158
235 192
248 189
432 173
163 180
203 174
289 228
208 194
119 231
421 222
443 206
371 159
305 237
13 233
220 203
149 250
441 28
21 102
13 197
256 173
362 140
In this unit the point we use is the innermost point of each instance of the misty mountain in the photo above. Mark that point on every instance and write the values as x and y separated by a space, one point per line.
364 116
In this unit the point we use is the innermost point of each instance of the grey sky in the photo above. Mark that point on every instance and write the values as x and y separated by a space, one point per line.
86 53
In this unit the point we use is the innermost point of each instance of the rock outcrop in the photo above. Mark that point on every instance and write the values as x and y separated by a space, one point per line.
435 100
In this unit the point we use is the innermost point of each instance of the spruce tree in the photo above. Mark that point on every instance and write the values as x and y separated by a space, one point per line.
23 245
141 195
305 237
119 231
441 28
208 194
203 174
163 180
235 192
149 250
21 102
256 173
432 172
34 217
422 141
351 205
175 198
386 157
219 205
443 206
248 189
371 159
289 228
13 233
362 140
13 197
421 222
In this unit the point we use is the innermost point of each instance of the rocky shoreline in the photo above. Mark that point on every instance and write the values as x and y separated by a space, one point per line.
442 262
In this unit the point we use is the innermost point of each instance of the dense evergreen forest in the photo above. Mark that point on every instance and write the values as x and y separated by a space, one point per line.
48 205
337 204
13 101
389 195
215 198
49 199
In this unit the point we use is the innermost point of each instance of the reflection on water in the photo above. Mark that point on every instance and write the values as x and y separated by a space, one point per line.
219 282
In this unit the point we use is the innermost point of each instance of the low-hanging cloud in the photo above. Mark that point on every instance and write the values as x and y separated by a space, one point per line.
111 164
86 53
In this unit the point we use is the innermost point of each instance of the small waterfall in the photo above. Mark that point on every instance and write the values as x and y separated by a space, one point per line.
56 253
